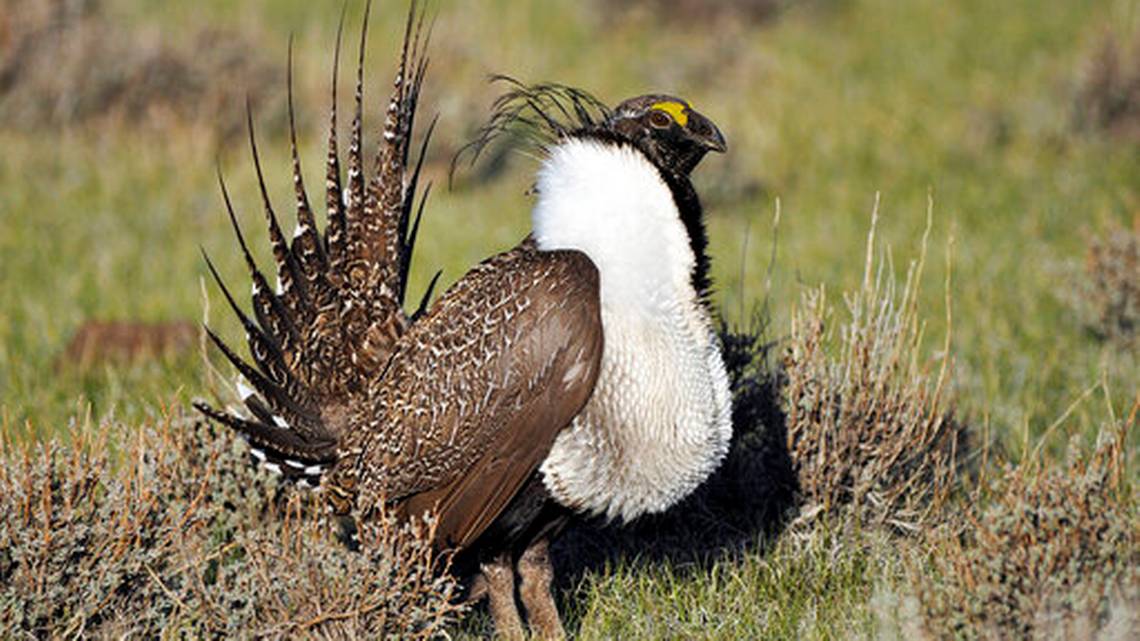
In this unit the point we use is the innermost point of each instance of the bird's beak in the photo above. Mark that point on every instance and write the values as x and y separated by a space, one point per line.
706 133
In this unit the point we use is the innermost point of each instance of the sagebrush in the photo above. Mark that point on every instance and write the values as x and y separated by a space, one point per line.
1108 292
1108 98
870 422
174 531
1041 553
66 62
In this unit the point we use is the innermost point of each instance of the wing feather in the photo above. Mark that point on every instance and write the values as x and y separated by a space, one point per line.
480 388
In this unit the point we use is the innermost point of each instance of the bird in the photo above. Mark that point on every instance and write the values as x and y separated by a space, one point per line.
577 373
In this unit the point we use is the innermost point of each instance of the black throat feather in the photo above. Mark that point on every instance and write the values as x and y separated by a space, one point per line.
537 117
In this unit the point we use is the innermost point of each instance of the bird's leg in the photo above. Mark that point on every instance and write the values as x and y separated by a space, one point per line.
500 579
537 574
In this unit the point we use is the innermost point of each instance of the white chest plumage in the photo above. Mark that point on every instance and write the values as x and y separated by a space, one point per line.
659 420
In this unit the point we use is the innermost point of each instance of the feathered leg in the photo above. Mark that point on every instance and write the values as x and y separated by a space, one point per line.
499 575
537 574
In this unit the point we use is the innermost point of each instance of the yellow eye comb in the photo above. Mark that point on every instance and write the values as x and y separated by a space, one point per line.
675 109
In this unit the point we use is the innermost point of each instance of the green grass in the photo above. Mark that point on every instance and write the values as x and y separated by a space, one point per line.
828 105
818 588
970 101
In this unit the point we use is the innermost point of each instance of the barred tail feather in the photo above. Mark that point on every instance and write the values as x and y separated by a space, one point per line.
350 262
280 398
291 284
307 244
323 336
278 449
388 186
394 188
264 348
271 313
334 192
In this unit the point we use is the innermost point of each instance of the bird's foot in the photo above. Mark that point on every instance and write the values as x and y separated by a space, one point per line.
499 576
537 575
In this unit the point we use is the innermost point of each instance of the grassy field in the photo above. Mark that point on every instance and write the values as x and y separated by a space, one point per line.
827 105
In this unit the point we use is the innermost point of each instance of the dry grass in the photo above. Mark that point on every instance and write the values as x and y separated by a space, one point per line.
870 427
173 532
1042 553
70 61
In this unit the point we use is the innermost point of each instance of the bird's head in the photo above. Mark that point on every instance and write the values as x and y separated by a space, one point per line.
667 129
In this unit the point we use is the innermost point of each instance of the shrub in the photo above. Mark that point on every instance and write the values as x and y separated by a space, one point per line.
177 532
1108 98
1108 295
690 12
1055 553
870 428
68 61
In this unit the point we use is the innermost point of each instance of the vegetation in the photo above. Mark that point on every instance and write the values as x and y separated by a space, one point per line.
1107 296
982 408
869 424
1053 553
184 537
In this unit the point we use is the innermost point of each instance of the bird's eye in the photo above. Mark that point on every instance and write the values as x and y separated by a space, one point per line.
660 119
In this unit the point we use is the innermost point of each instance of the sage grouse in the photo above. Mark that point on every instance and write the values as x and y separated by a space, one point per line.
575 373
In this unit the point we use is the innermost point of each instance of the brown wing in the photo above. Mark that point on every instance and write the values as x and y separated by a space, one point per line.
479 388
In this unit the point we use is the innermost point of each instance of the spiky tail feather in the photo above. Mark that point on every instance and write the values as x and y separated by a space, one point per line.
330 325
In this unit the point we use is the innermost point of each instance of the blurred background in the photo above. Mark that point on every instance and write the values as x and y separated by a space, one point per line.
1019 120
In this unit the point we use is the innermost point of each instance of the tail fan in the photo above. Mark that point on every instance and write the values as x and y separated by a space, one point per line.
331 323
